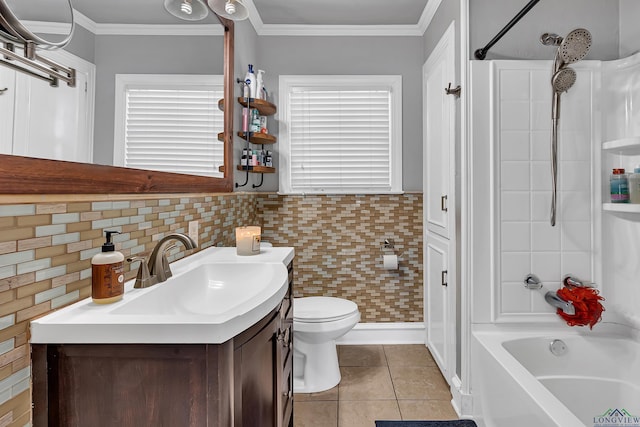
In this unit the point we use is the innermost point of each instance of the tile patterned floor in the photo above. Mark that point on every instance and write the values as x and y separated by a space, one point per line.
379 382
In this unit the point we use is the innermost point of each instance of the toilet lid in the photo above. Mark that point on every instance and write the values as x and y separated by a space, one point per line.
322 309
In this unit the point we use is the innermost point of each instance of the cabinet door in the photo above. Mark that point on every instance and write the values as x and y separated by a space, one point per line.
439 139
258 378
7 97
436 301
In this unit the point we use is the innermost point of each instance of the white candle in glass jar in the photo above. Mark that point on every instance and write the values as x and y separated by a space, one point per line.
248 240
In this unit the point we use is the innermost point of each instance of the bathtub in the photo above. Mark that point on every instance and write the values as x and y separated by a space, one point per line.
518 381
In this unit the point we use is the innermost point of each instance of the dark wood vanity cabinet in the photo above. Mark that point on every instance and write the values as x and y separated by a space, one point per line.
244 382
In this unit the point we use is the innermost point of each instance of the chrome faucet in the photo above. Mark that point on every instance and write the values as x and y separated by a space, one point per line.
157 269
566 306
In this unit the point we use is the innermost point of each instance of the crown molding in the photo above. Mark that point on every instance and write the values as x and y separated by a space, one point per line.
260 27
263 29
428 14
339 30
148 30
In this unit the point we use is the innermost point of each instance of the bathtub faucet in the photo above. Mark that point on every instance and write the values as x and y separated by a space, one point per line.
566 306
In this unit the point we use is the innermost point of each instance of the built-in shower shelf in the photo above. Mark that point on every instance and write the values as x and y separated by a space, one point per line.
621 207
625 146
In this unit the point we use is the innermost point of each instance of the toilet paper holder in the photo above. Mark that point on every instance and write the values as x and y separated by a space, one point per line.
387 247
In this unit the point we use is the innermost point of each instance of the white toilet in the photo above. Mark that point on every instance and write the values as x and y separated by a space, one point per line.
317 323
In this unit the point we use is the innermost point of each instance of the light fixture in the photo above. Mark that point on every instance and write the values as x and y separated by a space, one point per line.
230 9
189 10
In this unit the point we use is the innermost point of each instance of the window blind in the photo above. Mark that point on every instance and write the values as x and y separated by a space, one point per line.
340 140
174 130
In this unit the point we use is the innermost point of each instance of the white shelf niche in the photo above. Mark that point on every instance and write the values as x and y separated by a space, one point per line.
624 146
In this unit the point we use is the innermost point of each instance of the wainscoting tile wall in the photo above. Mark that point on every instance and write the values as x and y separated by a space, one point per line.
46 245
337 240
45 262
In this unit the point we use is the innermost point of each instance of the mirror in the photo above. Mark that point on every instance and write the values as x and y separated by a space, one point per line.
24 175
17 16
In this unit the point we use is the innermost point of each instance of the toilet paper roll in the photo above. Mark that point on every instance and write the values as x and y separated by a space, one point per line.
390 262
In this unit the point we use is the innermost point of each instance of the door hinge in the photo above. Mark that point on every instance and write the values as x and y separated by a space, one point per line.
443 277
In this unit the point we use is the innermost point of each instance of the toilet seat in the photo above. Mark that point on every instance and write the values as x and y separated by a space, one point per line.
322 309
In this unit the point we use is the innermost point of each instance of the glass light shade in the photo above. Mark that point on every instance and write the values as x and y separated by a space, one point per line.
225 9
180 9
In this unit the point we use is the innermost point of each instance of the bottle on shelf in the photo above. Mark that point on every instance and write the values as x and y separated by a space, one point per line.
260 85
634 185
250 79
619 184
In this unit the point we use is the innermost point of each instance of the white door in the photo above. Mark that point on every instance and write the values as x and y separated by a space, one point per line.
439 137
7 96
436 301
439 214
55 122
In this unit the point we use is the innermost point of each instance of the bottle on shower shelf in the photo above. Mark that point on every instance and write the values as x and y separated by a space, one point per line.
634 185
619 184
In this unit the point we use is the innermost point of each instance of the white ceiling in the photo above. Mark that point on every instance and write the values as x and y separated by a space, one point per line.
281 17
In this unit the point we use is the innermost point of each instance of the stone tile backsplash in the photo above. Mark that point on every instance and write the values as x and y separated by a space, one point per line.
337 240
46 249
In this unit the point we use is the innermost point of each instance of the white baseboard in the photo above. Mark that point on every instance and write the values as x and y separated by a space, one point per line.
385 333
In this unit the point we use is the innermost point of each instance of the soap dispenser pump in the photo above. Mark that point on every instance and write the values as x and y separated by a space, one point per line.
107 273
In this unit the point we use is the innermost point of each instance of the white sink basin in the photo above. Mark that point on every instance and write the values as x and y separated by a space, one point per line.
213 296
213 289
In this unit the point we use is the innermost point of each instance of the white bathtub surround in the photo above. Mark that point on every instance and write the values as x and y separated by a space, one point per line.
521 382
514 135
511 237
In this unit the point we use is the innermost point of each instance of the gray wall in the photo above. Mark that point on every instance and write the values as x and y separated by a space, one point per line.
629 28
353 55
144 55
82 44
487 17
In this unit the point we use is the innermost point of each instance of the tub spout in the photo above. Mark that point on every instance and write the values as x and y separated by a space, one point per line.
566 306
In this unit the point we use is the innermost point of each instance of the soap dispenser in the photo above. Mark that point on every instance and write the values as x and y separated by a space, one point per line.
107 273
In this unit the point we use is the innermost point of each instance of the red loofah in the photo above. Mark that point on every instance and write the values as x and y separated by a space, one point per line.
587 304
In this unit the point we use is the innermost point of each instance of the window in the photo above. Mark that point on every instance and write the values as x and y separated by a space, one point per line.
169 123
340 134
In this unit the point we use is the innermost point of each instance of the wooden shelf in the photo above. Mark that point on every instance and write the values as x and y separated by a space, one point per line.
265 108
254 138
256 169
625 146
259 138
621 207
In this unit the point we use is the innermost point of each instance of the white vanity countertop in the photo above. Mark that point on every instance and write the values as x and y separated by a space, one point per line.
88 323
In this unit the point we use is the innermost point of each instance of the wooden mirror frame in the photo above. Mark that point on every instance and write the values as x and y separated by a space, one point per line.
28 175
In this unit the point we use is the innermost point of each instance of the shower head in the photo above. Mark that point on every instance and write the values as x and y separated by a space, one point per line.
563 79
575 46
550 39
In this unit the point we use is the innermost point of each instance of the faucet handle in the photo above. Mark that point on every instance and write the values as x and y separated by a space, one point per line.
570 281
143 279
531 281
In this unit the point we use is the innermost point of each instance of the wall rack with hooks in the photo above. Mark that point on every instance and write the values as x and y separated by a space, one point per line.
264 108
